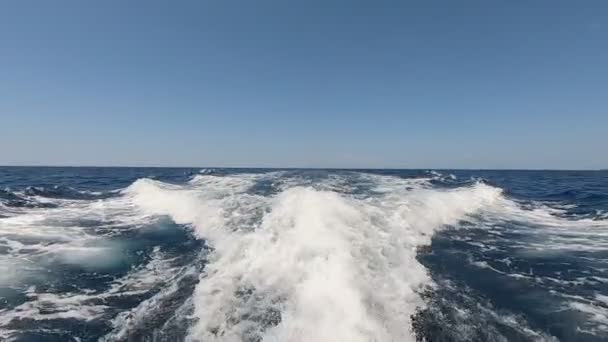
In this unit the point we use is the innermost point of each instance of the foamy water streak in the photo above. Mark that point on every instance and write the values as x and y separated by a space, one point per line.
38 237
309 264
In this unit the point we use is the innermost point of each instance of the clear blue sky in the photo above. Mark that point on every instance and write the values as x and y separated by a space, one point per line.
413 84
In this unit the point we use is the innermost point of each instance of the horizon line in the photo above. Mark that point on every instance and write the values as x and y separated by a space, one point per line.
299 168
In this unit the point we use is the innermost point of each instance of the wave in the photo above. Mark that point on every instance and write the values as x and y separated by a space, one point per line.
436 175
91 305
66 192
12 199
70 233
538 257
15 202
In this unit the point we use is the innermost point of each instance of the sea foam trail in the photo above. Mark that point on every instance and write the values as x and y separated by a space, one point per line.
306 264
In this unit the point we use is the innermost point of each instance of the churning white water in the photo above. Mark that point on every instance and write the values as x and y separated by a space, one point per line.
307 263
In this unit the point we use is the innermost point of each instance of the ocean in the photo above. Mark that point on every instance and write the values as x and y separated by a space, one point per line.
191 254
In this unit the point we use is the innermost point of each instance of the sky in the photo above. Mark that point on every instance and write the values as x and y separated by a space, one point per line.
346 84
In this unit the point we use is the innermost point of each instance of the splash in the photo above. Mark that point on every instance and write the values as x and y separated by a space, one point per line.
309 264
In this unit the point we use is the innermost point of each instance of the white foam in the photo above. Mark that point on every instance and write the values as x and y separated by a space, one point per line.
85 304
597 316
602 298
336 267
45 306
546 231
35 237
127 321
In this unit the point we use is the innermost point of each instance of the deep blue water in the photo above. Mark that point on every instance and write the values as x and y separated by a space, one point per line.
113 254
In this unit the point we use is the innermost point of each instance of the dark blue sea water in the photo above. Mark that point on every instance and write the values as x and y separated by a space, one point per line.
154 254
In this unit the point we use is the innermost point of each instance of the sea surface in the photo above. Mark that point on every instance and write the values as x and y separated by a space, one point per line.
191 254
